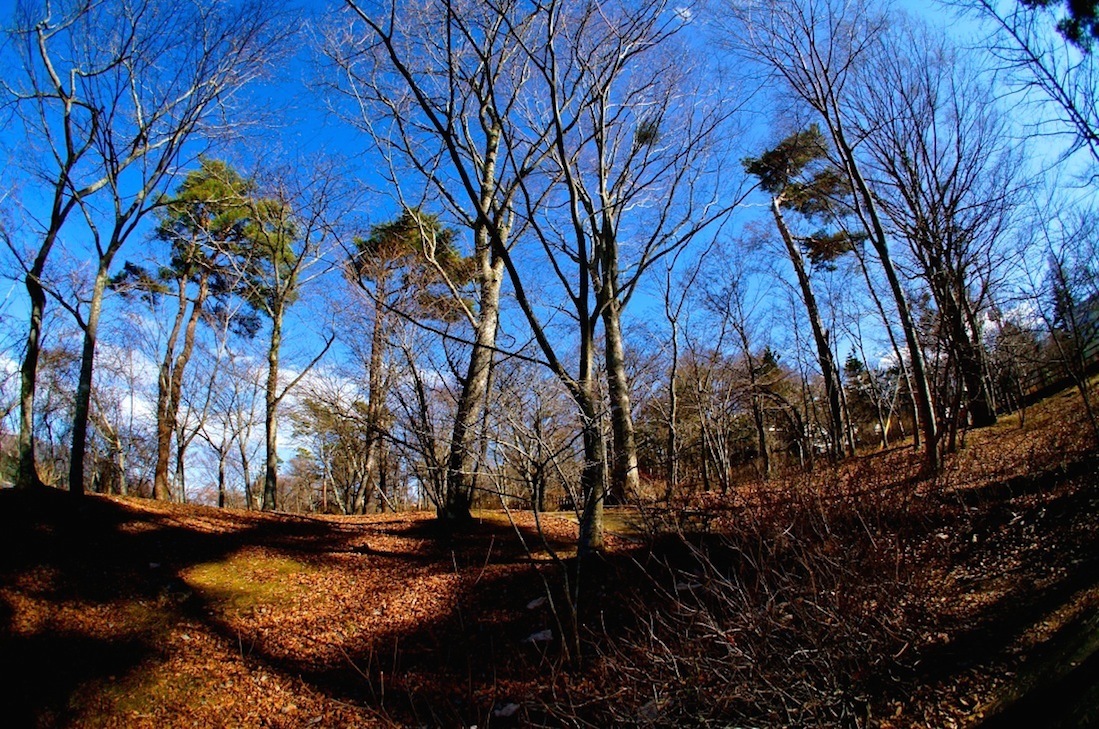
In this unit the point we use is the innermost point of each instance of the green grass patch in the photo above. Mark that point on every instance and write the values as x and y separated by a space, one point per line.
247 580
139 694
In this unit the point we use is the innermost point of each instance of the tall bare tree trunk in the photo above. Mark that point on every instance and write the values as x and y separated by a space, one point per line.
969 362
672 474
28 471
170 383
625 481
593 476
223 454
462 461
820 336
374 399
82 403
896 351
246 471
868 211
271 404
593 480
490 239
27 476
165 422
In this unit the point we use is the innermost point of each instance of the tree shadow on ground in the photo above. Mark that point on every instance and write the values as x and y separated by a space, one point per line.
104 555
451 666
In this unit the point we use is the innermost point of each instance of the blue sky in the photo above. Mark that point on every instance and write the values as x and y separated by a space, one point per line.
303 130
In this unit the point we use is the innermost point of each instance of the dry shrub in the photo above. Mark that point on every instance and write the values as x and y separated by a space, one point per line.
841 597
797 609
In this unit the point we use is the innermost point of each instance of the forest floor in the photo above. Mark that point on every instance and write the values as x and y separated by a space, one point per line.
119 612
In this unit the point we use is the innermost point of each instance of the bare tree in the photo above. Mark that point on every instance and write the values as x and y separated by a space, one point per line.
739 313
1058 77
227 392
433 83
1065 297
240 416
946 173
536 437
814 48
344 439
632 148
114 99
289 230
678 292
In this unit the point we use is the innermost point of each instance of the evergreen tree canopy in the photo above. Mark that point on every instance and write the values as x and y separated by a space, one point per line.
798 174
1079 25
406 249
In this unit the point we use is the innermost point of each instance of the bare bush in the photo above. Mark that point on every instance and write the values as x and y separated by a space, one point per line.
799 613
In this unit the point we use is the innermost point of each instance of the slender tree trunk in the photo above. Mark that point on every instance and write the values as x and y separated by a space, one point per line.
845 418
27 475
537 463
754 398
246 471
820 336
82 402
170 382
375 396
120 455
483 428
165 423
593 477
868 210
165 420
462 461
223 456
28 471
707 456
901 366
181 472
970 363
804 436
271 404
625 479
672 475
490 241
761 437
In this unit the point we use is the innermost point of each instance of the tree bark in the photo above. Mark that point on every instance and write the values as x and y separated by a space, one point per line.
672 474
170 383
462 461
375 397
271 404
27 476
969 361
246 470
223 453
82 403
625 479
28 472
165 420
867 208
593 476
820 336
